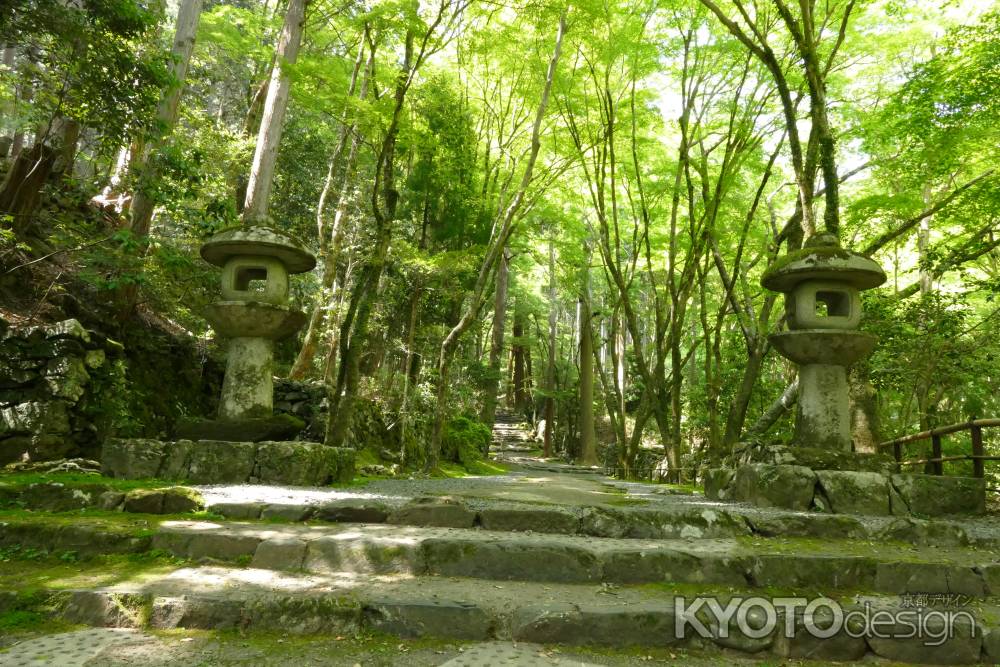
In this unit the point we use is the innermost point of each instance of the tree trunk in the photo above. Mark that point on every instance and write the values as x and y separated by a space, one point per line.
588 439
166 116
330 243
272 122
488 413
550 367
520 370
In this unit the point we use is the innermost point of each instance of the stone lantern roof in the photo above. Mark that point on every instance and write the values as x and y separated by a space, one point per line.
259 241
822 258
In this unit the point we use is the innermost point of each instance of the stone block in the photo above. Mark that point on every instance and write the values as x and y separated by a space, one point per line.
333 554
535 559
937 495
434 511
221 462
785 486
801 644
958 640
353 510
821 458
538 520
287 512
924 532
428 618
295 463
855 492
602 626
132 458
238 510
905 577
280 553
169 500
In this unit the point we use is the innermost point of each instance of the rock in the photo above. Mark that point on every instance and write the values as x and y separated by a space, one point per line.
786 486
376 470
67 378
802 644
833 526
821 570
280 553
287 512
958 642
57 497
855 492
718 482
538 520
221 462
278 427
521 560
903 577
821 458
133 458
936 495
169 500
110 500
353 510
238 510
296 463
333 554
225 462
31 418
991 644
104 609
922 531
640 566
429 618
433 511
575 625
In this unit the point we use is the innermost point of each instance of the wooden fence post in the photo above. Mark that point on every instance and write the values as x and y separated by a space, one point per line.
978 469
936 453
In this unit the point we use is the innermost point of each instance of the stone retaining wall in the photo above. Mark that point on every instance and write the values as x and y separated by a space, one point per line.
49 376
220 462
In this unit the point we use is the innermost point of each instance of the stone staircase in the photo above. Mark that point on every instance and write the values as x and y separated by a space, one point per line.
541 556
514 443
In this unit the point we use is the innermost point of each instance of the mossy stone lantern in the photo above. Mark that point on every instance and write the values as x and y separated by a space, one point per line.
254 312
822 284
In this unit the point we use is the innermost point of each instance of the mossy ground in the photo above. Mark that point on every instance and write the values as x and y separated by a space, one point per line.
17 480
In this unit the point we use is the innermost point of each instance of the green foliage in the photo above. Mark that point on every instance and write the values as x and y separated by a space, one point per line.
87 62
465 440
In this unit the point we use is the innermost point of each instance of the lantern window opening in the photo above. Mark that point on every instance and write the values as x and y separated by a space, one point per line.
252 279
830 303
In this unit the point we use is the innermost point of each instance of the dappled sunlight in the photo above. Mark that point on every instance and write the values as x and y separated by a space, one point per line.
253 493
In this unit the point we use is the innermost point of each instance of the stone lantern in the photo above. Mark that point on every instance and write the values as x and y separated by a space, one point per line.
822 285
253 313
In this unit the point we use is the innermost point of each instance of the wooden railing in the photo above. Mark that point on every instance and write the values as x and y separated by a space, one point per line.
937 461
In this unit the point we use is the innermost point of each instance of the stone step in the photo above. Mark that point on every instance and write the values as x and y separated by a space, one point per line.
218 598
683 517
829 565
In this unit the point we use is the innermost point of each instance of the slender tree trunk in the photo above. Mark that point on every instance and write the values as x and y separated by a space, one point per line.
520 370
550 368
338 178
143 163
588 439
272 123
488 414
146 173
